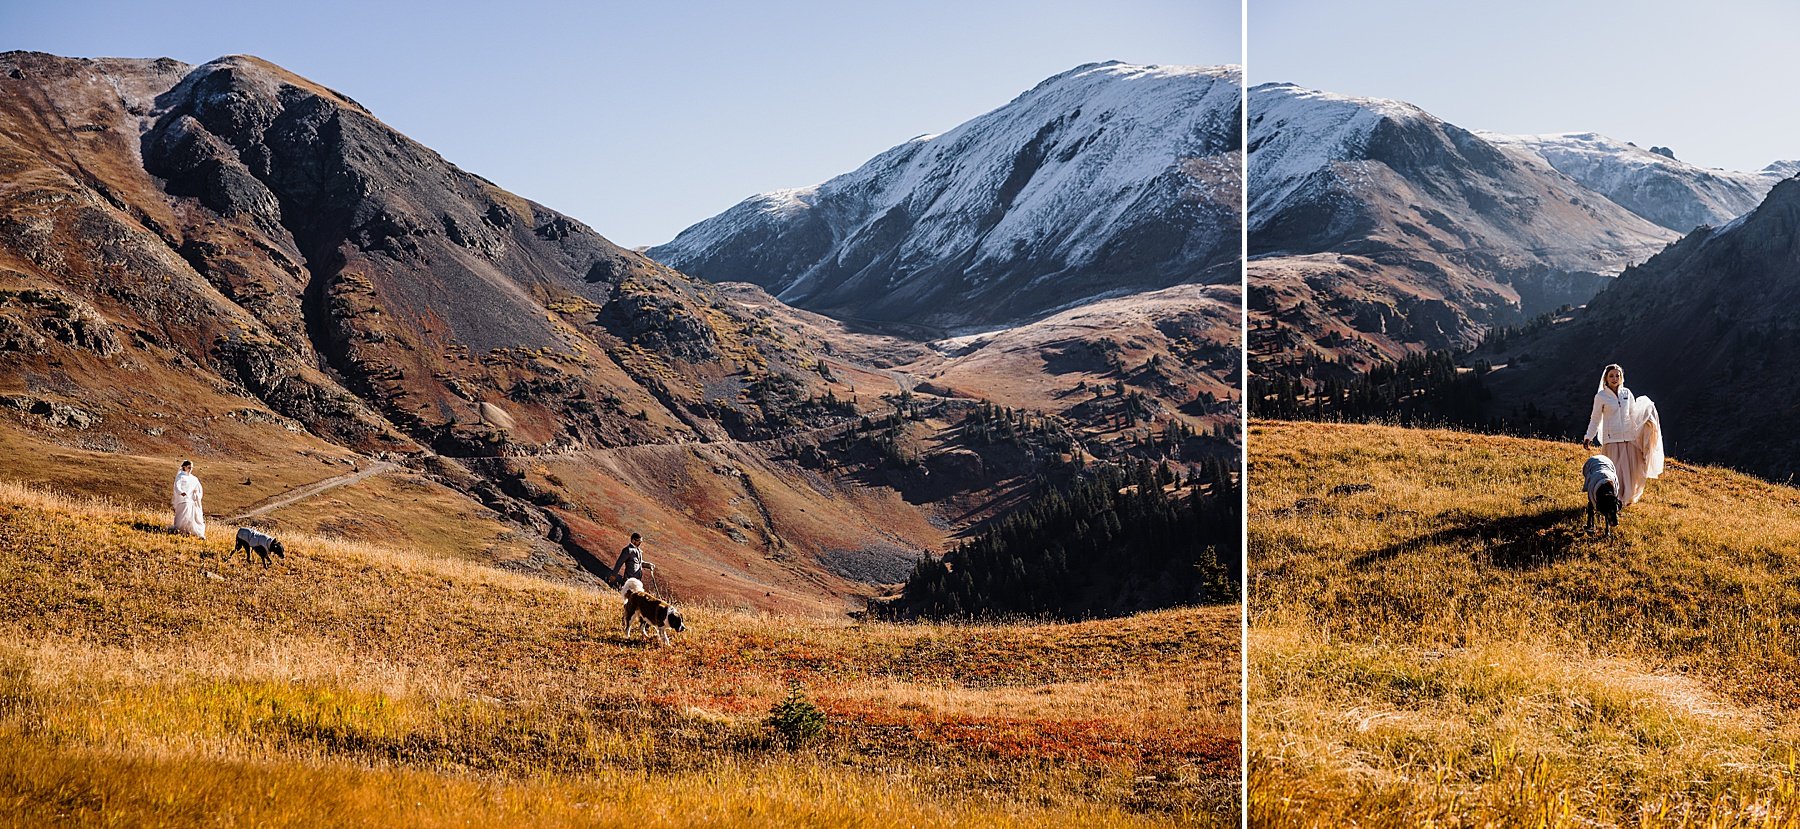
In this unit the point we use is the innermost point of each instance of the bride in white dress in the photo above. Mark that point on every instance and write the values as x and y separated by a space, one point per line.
1629 431
190 514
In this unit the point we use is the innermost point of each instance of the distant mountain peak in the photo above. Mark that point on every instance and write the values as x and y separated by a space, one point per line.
1082 186
1655 185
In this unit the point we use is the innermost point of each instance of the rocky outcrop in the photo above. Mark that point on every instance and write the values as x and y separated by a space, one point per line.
279 235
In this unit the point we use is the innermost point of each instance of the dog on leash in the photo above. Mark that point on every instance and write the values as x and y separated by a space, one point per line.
649 610
264 544
1601 480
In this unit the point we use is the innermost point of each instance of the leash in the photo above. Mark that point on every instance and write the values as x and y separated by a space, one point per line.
654 584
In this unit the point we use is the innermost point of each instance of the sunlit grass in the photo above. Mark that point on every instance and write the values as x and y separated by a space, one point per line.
1435 641
43 787
145 677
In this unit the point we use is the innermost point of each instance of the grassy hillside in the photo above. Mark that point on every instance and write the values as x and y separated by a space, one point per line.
143 681
1435 641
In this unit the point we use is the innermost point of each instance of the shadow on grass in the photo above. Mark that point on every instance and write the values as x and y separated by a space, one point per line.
1518 541
647 641
604 629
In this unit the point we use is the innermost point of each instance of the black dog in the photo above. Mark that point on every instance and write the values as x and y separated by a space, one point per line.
249 539
1601 481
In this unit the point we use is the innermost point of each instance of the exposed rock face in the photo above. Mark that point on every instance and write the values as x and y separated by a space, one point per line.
30 319
229 260
388 257
278 234
1106 180
92 245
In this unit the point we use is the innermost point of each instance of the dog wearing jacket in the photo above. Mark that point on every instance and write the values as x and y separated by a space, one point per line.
649 610
1601 480
264 544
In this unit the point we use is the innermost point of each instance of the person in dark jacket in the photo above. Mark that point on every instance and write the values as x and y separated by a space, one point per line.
631 561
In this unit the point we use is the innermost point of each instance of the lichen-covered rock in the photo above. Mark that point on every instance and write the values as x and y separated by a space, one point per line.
50 412
18 337
661 322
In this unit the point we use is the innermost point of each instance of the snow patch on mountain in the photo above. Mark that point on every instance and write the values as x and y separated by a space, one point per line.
1300 138
1054 177
1658 187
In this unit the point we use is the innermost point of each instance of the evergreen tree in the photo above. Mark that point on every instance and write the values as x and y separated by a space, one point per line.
1114 542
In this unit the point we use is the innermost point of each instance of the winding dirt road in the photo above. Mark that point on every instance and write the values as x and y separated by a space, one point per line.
302 493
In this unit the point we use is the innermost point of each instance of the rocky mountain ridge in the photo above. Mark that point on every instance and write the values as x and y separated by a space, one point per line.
1655 185
1106 180
1377 228
232 263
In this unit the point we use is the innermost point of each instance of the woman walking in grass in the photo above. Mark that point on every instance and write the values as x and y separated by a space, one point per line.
1628 431
190 512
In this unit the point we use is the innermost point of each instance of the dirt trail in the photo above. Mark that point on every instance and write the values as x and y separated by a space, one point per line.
904 381
302 493
825 432
276 502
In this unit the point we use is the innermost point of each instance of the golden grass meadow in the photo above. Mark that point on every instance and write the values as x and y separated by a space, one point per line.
146 681
1434 640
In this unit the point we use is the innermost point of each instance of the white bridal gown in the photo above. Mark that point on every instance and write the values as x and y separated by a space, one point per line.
190 516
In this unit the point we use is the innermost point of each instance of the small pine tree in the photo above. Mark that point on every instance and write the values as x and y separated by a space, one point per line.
795 721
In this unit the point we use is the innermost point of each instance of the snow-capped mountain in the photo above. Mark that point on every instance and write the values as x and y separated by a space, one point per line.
1376 227
1104 180
232 261
1330 170
1655 185
1299 136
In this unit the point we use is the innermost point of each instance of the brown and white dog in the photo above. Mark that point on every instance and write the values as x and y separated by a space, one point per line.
649 610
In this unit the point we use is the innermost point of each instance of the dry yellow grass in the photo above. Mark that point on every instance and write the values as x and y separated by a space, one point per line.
144 680
273 467
404 509
1434 640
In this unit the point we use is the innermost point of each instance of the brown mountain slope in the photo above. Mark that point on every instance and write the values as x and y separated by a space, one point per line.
87 238
1114 368
347 247
231 263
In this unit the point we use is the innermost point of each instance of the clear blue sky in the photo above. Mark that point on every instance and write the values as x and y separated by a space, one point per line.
1715 82
642 118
